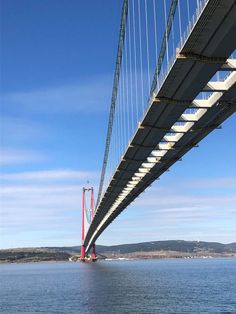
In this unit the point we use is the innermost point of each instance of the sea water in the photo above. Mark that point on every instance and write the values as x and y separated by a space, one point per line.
134 286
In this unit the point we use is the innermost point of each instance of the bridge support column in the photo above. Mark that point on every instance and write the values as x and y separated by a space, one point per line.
82 256
94 256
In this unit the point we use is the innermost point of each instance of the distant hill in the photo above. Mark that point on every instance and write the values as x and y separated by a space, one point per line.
32 255
153 249
169 245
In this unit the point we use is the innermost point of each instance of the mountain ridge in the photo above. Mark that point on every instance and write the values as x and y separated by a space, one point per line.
151 249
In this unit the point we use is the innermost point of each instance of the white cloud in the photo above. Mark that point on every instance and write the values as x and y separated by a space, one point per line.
213 183
89 96
28 200
188 211
48 203
14 129
172 200
48 175
15 156
42 201
183 203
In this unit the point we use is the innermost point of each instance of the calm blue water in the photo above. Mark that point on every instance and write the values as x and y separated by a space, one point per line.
152 286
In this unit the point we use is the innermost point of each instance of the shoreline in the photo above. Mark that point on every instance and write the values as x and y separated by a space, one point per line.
171 249
124 258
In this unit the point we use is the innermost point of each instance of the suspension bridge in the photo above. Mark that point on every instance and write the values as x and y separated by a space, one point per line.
174 83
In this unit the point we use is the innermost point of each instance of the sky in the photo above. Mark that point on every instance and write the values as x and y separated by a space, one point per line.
57 63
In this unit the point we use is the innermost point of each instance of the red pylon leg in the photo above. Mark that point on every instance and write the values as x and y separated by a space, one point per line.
94 256
82 257
83 249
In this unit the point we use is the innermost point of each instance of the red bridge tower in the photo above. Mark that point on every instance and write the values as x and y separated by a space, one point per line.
89 213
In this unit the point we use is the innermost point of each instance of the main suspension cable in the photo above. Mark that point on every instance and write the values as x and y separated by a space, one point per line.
114 96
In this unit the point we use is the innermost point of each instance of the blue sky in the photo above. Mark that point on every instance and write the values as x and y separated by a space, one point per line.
57 64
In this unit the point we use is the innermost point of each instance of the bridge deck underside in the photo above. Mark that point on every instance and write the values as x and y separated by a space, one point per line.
213 36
